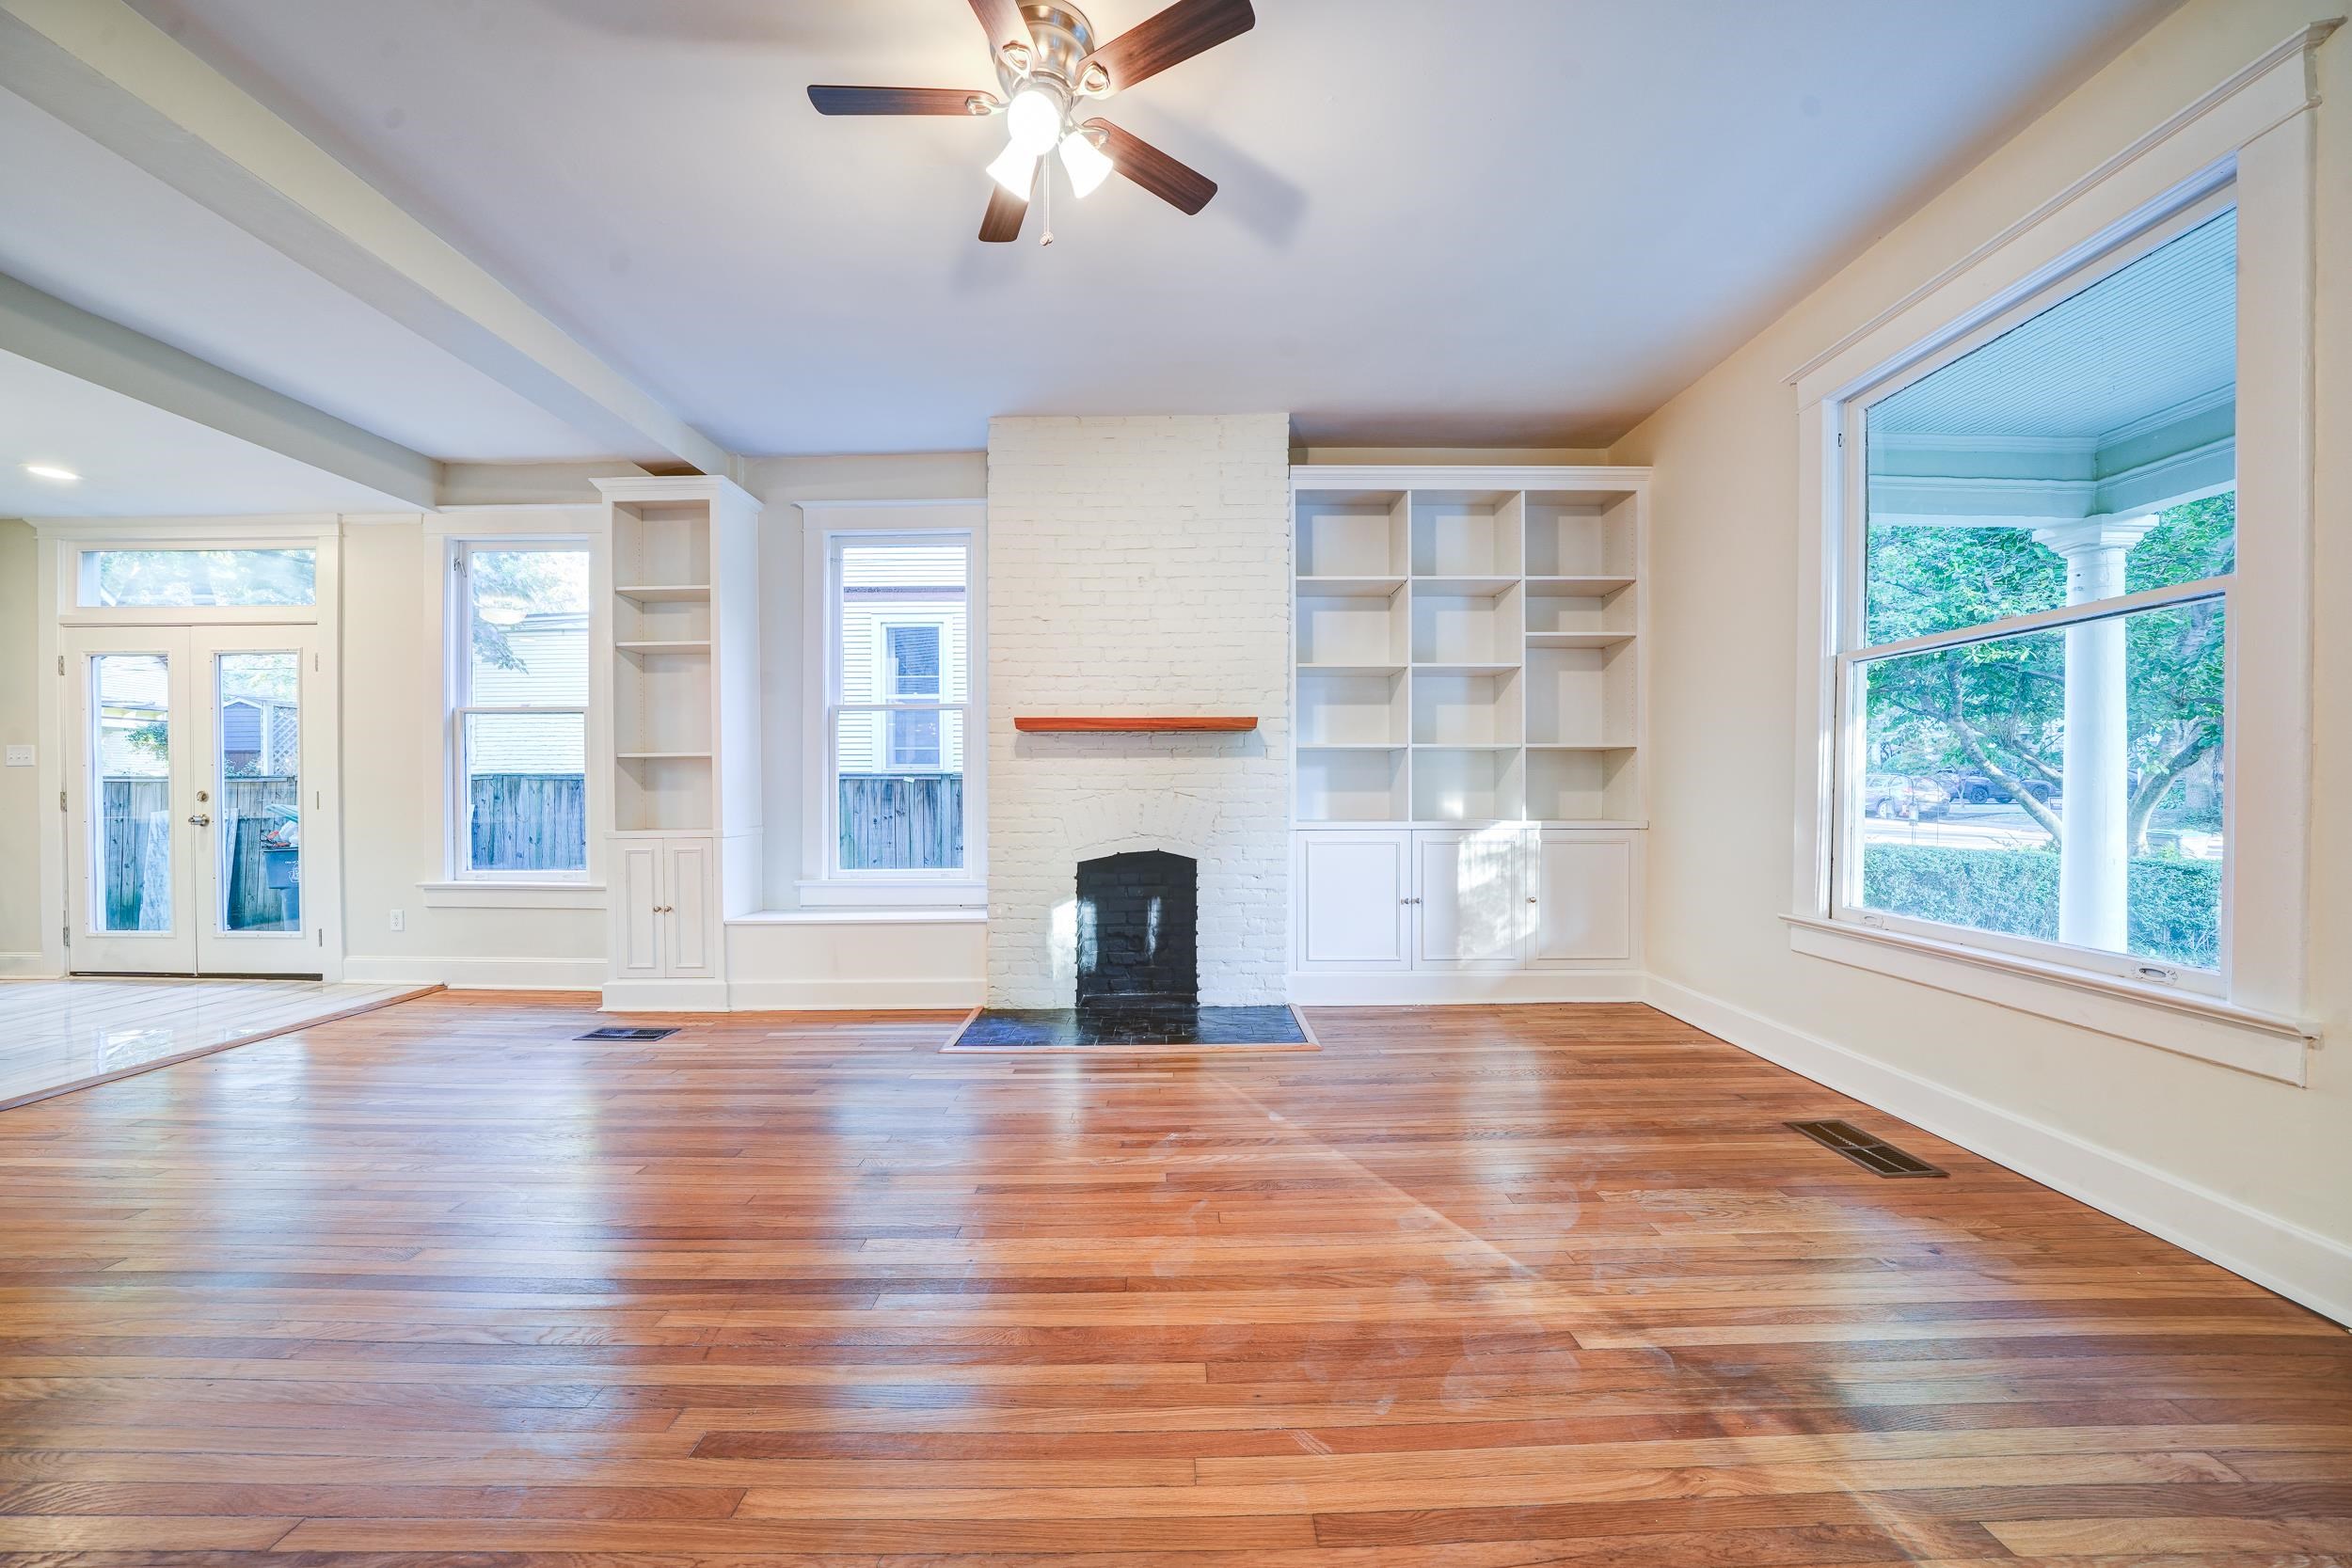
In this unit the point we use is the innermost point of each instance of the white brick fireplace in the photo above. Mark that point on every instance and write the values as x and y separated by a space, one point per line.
1138 566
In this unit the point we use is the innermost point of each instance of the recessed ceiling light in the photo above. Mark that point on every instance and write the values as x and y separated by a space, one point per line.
51 471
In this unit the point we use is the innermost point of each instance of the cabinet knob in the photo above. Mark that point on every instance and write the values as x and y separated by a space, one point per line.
1530 900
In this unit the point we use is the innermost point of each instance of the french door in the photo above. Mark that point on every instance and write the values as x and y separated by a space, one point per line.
186 800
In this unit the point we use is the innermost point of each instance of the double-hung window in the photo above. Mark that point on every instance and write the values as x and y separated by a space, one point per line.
519 711
898 686
2034 689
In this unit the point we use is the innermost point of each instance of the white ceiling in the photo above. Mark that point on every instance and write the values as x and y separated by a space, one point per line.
138 461
1428 232
88 227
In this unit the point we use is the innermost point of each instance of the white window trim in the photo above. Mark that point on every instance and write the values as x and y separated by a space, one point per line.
2252 132
448 884
75 540
820 886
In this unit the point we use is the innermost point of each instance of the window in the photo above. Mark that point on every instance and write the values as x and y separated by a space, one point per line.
185 579
898 699
911 662
2034 682
519 711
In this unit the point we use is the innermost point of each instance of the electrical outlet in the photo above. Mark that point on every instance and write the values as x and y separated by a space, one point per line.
20 756
400 920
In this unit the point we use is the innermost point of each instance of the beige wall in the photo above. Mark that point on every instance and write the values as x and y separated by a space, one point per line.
391 688
21 819
1723 613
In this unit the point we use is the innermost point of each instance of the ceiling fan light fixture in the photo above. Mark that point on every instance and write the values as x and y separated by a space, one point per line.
1015 168
1086 163
1033 120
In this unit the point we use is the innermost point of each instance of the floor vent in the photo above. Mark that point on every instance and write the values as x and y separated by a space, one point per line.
625 1035
1872 1154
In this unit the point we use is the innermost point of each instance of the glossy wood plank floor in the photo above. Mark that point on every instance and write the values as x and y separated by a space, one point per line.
1471 1288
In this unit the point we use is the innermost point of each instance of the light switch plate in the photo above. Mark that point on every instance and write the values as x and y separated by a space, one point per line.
20 756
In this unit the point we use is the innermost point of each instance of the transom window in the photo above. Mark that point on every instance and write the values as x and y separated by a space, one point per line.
898 691
174 579
519 711
2034 663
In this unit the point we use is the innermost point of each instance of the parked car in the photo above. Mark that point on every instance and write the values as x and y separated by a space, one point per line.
1902 796
1982 789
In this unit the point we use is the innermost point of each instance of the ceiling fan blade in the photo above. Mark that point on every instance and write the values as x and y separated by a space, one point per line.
1004 22
1184 29
1182 187
899 100
1005 215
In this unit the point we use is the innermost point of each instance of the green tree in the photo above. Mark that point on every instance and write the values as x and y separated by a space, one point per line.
1999 707
508 585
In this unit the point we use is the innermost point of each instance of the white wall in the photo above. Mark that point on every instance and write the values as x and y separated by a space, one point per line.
1138 566
22 821
2249 1170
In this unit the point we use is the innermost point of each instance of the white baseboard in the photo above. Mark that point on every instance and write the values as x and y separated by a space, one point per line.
2277 1254
1463 987
663 996
25 966
480 973
876 995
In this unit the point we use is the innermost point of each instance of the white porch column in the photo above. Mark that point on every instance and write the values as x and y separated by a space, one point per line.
2095 852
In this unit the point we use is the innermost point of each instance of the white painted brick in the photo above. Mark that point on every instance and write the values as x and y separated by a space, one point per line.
1139 563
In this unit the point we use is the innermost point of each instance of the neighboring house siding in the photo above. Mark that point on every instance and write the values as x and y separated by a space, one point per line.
554 652
929 590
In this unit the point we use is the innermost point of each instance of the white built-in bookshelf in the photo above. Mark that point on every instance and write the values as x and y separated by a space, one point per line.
1468 651
685 825
663 668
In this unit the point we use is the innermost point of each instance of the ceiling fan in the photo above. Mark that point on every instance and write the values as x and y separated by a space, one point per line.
1049 65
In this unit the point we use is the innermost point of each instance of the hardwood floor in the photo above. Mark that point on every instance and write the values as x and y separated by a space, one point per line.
1471 1288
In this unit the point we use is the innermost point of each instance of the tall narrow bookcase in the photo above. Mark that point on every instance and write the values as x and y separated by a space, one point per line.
1468 646
685 800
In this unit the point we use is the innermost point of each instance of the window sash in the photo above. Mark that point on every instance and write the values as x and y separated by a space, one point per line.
2045 620
835 660
459 850
1846 817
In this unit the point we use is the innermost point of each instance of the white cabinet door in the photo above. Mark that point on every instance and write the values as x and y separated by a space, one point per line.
1469 893
1583 898
1351 900
686 915
637 909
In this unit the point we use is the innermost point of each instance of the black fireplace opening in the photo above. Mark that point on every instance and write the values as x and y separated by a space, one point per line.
1139 928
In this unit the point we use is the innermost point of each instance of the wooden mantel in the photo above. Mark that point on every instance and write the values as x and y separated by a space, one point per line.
1071 724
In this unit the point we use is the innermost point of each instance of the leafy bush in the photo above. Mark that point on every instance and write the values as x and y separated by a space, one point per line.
2175 905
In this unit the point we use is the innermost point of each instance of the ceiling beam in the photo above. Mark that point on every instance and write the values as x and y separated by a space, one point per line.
47 330
110 73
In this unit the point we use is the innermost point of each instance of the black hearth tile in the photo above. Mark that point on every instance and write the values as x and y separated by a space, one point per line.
1122 1022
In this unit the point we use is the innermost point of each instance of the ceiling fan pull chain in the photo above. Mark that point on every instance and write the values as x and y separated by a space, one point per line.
1045 174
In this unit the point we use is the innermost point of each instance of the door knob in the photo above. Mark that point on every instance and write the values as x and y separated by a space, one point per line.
202 820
